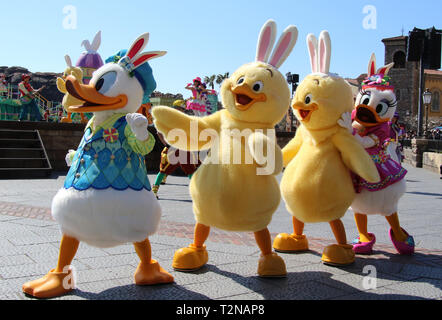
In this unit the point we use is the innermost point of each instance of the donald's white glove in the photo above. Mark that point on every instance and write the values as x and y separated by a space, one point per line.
69 157
138 123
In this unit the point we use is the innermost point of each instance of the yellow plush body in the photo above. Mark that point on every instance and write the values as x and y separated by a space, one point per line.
316 185
226 195
233 197
235 188
68 99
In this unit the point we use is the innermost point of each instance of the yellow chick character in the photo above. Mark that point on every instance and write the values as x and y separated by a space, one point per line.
237 195
317 185
68 99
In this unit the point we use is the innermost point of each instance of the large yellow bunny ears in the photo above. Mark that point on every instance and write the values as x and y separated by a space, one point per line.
283 48
320 52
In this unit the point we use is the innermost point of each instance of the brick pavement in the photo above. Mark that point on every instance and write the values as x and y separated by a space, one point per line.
29 241
185 230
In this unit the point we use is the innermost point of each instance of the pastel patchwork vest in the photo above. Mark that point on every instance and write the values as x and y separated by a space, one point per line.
106 160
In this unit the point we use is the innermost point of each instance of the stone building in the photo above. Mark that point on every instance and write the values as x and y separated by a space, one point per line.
405 78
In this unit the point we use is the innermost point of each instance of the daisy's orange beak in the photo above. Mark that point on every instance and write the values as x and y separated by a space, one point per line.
305 111
367 116
93 100
246 97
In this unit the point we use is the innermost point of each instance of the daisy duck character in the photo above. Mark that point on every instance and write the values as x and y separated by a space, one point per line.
106 199
375 106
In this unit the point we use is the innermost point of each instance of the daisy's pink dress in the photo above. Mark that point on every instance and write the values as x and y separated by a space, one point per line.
389 170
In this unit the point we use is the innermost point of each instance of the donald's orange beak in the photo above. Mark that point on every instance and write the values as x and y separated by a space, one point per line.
245 97
93 100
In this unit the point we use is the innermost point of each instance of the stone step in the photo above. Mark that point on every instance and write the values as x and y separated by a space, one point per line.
21 153
20 143
23 163
18 134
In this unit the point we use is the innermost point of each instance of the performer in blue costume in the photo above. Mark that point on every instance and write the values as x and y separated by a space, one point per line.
106 199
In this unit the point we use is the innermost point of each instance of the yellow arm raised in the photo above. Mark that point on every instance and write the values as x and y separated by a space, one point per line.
355 157
186 132
292 148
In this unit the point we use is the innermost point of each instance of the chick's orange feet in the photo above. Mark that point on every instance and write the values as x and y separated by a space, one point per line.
290 243
190 259
338 255
54 284
151 273
271 265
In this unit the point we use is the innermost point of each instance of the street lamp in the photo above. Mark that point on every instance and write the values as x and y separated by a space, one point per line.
427 95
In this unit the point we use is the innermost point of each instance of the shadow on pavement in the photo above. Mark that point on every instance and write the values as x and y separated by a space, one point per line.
308 285
134 292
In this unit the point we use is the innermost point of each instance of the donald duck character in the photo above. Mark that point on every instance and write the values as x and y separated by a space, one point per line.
106 199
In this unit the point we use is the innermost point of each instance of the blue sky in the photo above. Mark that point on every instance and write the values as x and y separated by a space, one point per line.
204 37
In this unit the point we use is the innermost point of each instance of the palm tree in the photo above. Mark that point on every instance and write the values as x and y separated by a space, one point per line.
210 80
221 77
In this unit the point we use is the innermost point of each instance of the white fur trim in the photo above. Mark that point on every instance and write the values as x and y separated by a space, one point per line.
106 218
383 202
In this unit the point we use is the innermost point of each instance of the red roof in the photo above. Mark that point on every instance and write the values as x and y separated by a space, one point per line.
433 72
394 38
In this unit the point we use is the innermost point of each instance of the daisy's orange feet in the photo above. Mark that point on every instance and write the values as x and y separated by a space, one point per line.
152 273
190 259
54 284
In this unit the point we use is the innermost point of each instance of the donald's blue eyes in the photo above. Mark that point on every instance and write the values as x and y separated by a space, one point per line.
106 82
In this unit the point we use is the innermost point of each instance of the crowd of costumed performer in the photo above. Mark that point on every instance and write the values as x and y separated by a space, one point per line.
106 199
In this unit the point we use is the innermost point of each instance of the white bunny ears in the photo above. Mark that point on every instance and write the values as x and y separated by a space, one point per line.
372 67
68 60
134 58
92 48
320 52
283 48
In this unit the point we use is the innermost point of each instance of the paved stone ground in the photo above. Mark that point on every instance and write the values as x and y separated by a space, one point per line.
29 242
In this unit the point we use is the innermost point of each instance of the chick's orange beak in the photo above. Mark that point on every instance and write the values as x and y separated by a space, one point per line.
245 97
305 111
93 100
367 116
